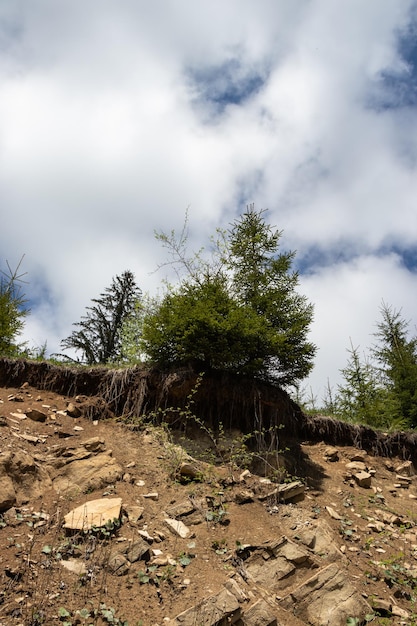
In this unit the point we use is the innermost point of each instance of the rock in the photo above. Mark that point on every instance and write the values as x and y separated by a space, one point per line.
356 466
190 470
328 597
177 527
363 479
28 478
399 612
74 565
118 565
359 456
90 473
185 507
36 415
260 614
405 469
73 410
218 609
151 496
381 605
93 513
286 492
333 514
233 586
331 454
243 496
134 513
137 550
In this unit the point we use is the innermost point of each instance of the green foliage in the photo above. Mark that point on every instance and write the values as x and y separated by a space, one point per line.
12 311
238 312
381 390
99 337
397 356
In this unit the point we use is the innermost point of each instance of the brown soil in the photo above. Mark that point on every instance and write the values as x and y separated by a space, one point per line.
34 585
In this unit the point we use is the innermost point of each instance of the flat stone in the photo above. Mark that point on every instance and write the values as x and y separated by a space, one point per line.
178 527
333 514
356 466
94 513
73 410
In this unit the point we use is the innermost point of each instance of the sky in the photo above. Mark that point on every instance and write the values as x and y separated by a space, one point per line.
116 116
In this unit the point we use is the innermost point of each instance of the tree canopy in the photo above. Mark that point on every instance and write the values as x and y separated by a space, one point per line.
239 312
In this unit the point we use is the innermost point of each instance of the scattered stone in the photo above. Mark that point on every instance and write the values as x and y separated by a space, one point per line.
331 454
151 496
376 526
399 612
93 513
190 470
178 527
137 550
185 507
7 492
405 469
363 479
244 475
74 565
36 416
118 565
73 411
244 495
134 513
286 492
333 514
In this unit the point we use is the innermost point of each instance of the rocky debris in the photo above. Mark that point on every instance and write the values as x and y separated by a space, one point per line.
261 613
178 527
95 513
405 469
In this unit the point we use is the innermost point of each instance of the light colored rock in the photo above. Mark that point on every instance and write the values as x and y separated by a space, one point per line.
92 473
73 410
151 496
363 479
356 466
405 469
134 513
333 514
93 513
331 454
118 565
29 479
399 612
185 507
178 527
74 565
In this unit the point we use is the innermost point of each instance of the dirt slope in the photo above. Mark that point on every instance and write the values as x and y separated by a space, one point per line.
340 544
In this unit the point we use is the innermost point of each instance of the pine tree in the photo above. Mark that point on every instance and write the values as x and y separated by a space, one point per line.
99 334
397 357
12 311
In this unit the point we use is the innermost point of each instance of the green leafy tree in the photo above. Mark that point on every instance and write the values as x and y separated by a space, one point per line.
397 358
12 311
99 333
239 311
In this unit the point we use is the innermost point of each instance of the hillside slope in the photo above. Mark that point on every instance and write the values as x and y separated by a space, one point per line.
194 543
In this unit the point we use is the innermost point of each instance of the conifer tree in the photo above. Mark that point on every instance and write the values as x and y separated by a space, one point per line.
99 334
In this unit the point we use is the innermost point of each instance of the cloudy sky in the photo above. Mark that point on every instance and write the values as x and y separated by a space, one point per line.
117 115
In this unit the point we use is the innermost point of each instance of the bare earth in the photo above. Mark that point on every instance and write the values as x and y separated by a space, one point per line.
247 556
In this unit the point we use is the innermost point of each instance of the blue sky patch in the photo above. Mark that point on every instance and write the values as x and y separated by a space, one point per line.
398 89
215 87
